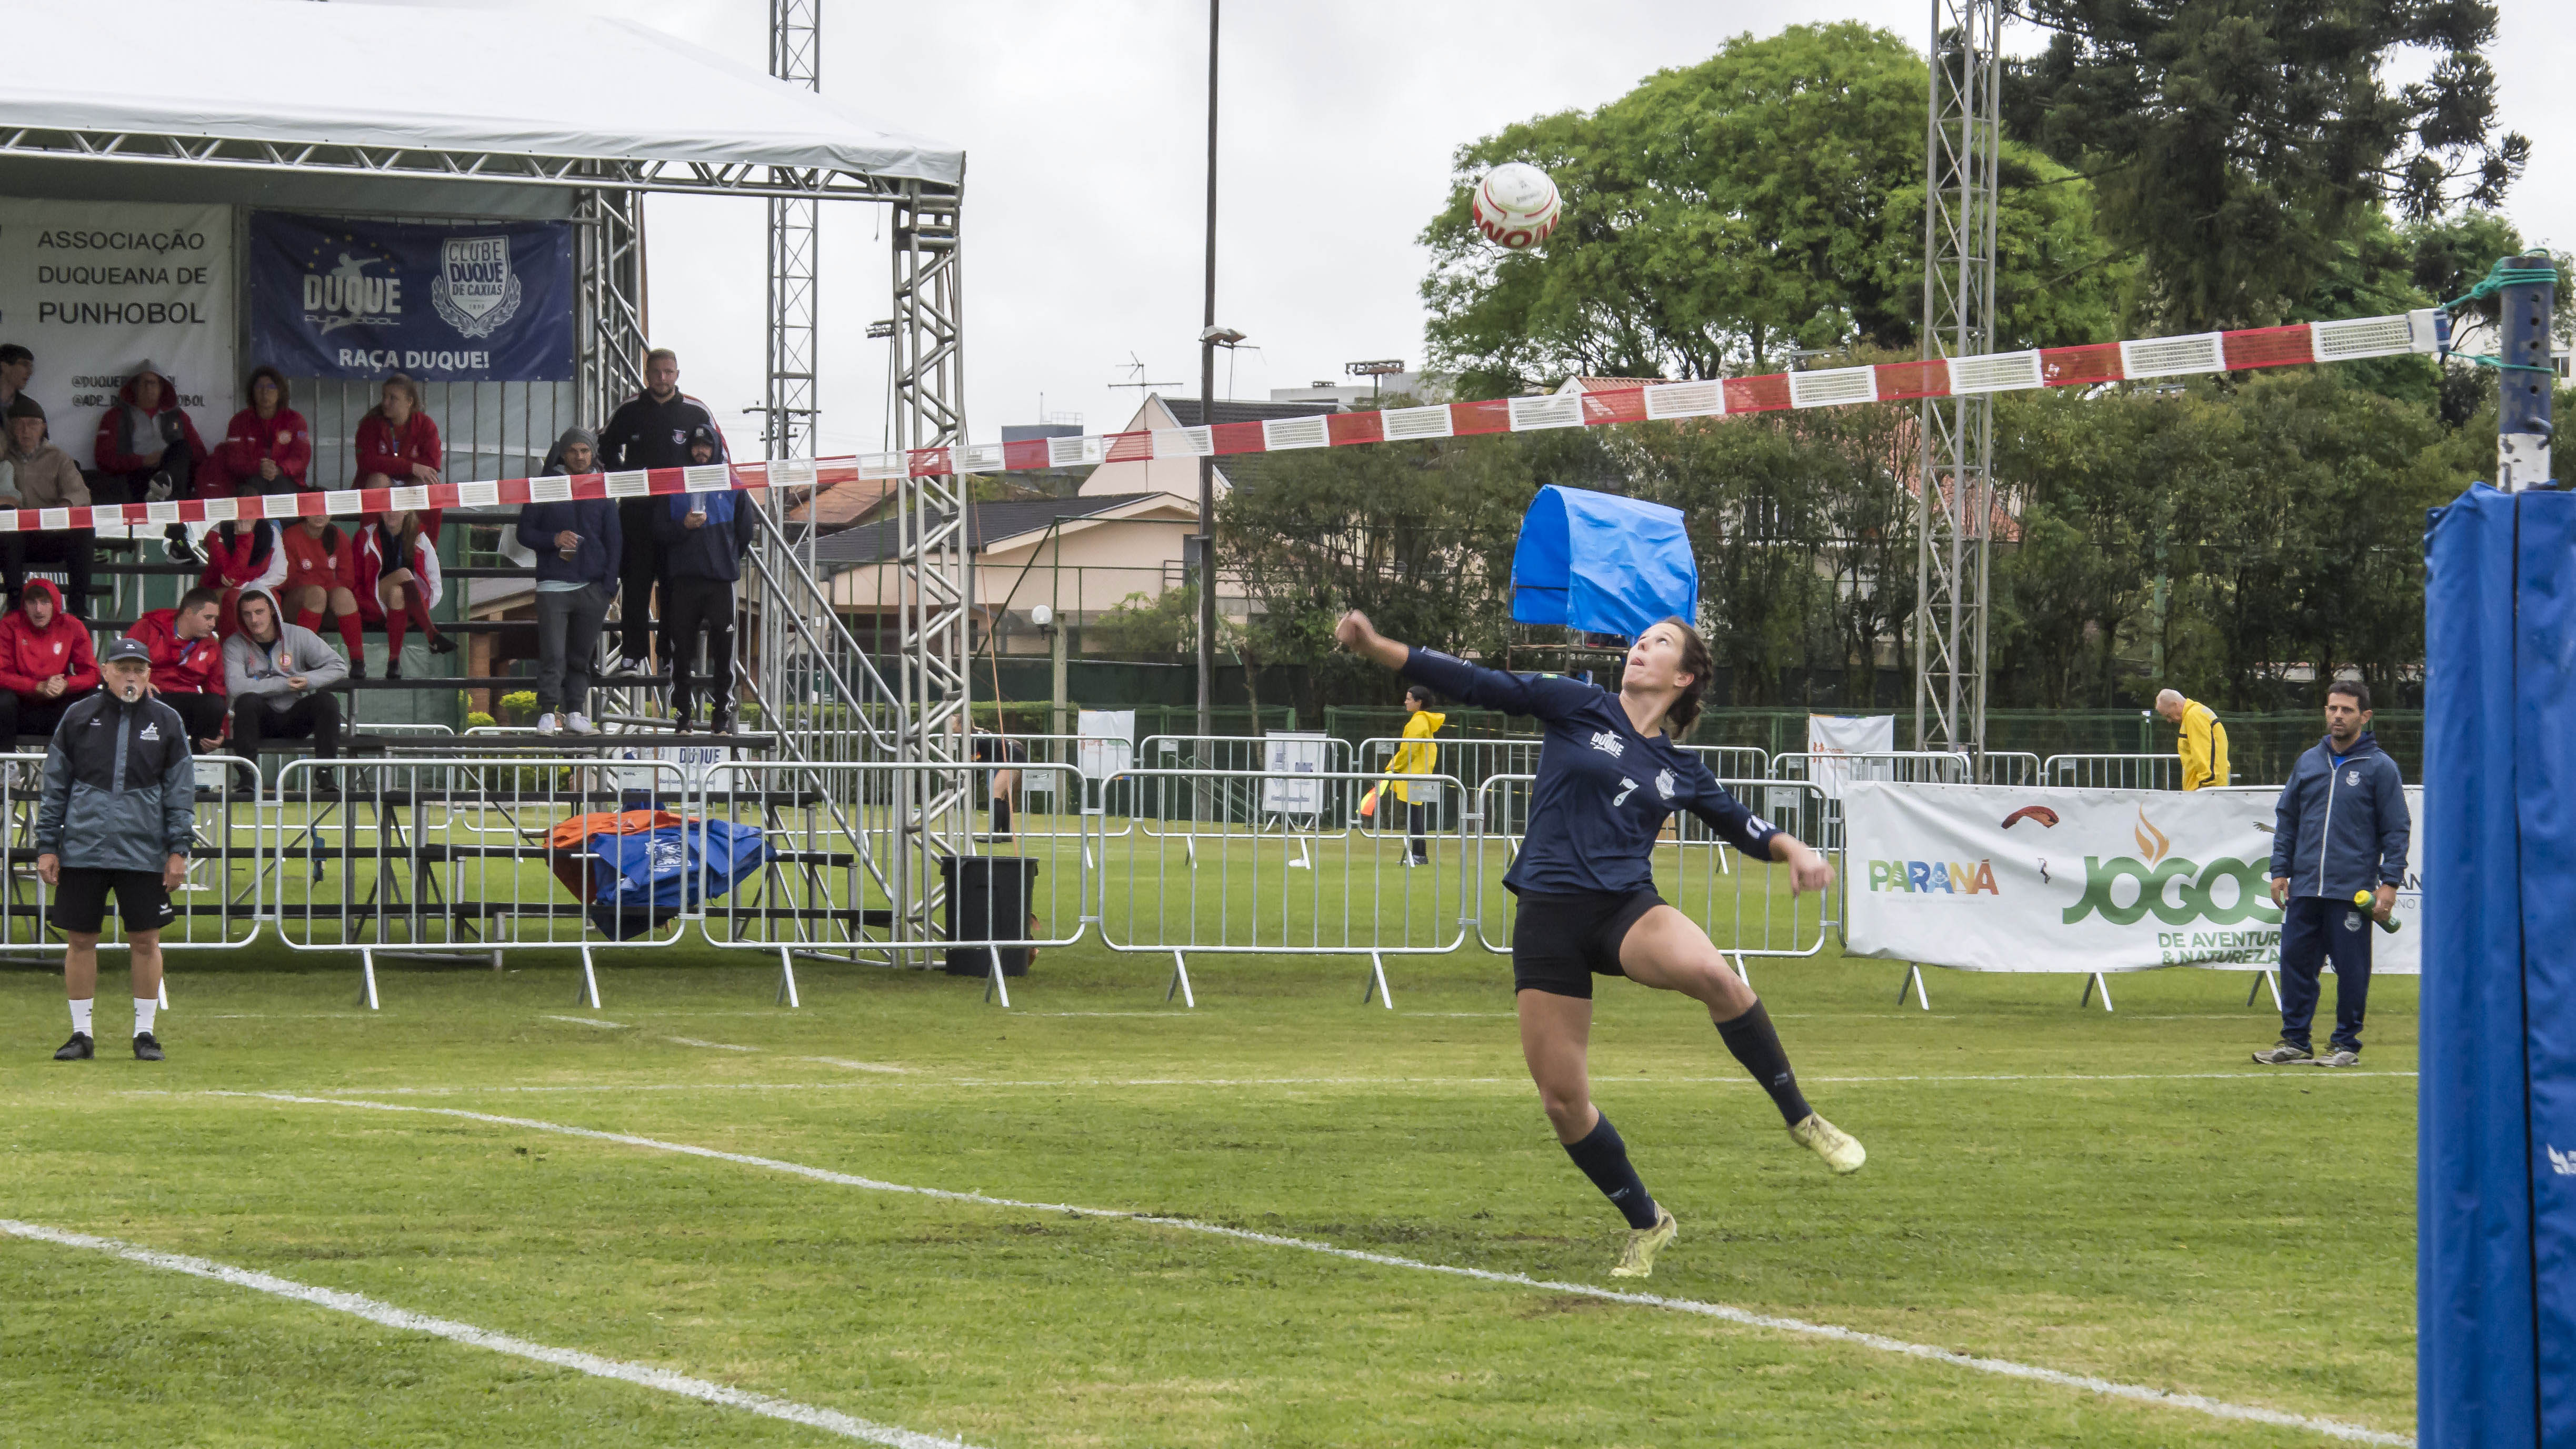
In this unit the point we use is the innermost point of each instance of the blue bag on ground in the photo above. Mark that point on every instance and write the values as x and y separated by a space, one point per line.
645 879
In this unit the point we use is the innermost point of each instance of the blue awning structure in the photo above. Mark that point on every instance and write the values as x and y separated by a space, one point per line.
1603 563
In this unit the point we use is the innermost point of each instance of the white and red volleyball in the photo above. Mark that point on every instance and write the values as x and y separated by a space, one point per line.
1516 205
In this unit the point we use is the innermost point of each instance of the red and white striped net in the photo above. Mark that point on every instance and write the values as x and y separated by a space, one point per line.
2084 366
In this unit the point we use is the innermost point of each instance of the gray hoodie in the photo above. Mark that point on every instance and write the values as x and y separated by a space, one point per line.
255 668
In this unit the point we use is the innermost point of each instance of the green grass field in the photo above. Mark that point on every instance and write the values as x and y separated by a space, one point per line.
2120 1196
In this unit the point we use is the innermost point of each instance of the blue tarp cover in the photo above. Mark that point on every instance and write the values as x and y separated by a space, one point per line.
1603 563
661 867
2496 1111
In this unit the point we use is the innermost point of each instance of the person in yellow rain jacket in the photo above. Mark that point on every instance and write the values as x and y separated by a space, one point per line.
1419 756
2204 740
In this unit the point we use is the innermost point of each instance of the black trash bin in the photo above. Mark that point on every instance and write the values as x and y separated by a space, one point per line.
990 894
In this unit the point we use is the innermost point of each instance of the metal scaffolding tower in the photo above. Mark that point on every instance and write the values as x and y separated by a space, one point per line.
796 56
936 606
1958 433
608 330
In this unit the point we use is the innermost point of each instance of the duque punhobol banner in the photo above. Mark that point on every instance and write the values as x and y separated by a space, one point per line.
97 288
484 302
2001 878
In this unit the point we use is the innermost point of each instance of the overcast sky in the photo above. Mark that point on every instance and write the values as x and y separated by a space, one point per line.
1084 125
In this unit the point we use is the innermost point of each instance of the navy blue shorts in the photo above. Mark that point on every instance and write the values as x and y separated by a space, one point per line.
1560 942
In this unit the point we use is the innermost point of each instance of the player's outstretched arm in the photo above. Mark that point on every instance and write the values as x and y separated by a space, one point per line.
1809 871
1356 634
1529 694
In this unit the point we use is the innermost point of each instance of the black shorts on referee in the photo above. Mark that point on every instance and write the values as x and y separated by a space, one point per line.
1560 942
80 902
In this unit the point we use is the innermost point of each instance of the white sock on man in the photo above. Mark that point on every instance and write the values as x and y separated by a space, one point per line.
80 1016
144 1006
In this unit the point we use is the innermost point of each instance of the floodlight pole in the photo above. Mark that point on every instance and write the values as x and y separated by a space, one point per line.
1207 419
2523 425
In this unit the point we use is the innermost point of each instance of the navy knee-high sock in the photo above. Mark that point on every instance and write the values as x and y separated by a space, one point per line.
1604 1159
1755 1044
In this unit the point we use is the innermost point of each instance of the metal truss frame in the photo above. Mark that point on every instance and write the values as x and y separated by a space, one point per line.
795 56
1956 479
434 164
936 600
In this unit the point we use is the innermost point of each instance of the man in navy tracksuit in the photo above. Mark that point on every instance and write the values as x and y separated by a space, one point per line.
2341 833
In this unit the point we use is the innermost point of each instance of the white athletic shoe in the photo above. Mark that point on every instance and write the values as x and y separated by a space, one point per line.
1637 1259
546 725
580 724
1841 1151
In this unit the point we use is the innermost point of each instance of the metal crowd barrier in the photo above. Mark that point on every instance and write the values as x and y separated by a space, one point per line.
1746 906
1091 761
2009 767
840 839
448 858
2115 772
1254 862
217 907
1235 762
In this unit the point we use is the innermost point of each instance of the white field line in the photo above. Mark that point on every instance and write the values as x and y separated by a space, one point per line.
2006 1368
844 1062
2292 1074
589 1021
829 1420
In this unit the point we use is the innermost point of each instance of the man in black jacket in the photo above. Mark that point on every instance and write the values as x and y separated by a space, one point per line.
703 539
117 814
2338 836
650 430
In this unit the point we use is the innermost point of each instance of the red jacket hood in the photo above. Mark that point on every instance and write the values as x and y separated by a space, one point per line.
29 655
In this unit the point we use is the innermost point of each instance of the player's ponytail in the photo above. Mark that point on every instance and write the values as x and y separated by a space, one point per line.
1699 664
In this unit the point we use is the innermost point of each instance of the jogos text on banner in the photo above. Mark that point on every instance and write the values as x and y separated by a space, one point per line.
2003 878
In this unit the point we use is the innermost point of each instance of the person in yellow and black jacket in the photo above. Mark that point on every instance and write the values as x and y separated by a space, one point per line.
2203 744
1420 755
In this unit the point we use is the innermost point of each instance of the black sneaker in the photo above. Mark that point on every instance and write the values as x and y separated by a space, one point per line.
358 667
2284 1054
441 644
145 1048
160 488
78 1049
393 664
720 722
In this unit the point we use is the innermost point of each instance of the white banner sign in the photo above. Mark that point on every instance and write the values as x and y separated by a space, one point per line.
1829 735
1107 742
2005 878
96 288
1290 764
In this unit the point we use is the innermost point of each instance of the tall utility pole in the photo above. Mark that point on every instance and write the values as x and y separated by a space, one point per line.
1207 419
1958 433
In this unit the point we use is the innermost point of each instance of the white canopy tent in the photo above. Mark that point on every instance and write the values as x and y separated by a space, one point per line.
496 95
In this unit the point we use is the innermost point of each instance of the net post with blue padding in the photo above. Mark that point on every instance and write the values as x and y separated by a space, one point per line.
1603 563
2496 1100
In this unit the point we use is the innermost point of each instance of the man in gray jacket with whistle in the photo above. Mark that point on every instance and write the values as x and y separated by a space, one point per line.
2338 842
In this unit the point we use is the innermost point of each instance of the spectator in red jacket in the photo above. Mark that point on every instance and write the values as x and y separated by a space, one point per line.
398 580
242 556
188 662
45 663
267 446
321 573
398 446
40 475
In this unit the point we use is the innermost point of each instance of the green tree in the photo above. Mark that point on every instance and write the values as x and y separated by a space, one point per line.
2238 145
1770 197
1419 535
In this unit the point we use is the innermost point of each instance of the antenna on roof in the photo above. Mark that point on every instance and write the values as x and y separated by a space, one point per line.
1134 367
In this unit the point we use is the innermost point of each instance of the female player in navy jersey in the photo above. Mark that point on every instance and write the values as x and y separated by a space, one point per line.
1609 775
